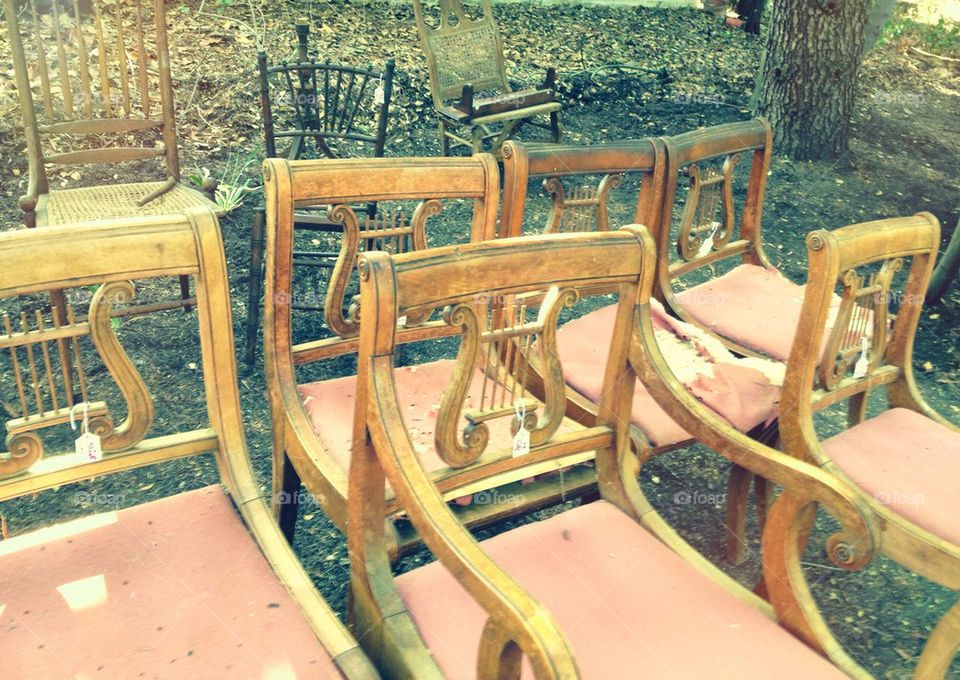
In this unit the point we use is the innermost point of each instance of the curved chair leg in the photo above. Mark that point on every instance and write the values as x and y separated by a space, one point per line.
942 646
738 488
555 127
185 292
476 139
444 140
255 283
286 495
762 498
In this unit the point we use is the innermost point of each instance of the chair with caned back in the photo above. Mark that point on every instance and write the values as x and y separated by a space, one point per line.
95 89
314 109
903 457
201 579
473 99
599 589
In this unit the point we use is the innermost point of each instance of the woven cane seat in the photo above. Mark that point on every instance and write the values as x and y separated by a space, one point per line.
116 200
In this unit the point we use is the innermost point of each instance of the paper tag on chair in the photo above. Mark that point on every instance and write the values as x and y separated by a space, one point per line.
707 245
402 320
378 95
521 440
87 444
863 363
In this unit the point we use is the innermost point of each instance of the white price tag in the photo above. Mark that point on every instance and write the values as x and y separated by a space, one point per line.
521 440
707 245
863 363
378 94
87 444
402 320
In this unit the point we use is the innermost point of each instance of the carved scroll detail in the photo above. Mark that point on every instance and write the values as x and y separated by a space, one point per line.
584 209
497 337
135 393
863 313
390 232
710 190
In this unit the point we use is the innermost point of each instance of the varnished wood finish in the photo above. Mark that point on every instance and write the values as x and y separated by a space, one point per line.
112 254
464 57
860 259
383 451
80 95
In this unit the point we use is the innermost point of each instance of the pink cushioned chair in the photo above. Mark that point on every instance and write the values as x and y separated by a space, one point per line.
905 461
311 409
602 589
743 391
197 584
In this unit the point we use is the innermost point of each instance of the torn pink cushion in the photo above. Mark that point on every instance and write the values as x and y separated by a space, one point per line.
628 606
175 588
754 306
907 462
732 387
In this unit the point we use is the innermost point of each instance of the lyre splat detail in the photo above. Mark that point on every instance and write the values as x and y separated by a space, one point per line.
584 209
391 232
50 378
497 337
863 320
710 189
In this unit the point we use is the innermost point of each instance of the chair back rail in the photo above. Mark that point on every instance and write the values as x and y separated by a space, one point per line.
101 68
586 208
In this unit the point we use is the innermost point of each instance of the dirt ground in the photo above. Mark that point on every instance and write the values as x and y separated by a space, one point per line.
626 73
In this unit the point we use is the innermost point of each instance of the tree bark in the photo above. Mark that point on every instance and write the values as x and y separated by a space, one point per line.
880 12
809 76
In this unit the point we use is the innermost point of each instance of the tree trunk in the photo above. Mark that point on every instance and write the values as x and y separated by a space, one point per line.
809 75
880 12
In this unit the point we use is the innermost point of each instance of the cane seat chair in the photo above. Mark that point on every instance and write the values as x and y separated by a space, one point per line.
468 81
599 590
314 109
903 459
311 408
743 391
198 583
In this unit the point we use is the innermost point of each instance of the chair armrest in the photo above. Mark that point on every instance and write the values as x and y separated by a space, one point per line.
514 616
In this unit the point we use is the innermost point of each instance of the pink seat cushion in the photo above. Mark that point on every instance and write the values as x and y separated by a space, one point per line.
175 588
329 404
739 393
628 605
908 463
754 306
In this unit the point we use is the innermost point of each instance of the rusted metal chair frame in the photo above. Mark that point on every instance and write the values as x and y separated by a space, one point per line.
464 59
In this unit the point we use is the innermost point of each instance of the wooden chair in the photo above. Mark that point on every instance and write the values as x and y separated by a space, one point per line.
312 418
904 459
105 96
198 583
327 107
468 81
744 392
598 590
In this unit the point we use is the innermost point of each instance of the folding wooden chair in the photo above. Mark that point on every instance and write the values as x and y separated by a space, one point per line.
102 70
744 392
468 81
199 583
321 110
903 460
599 590
311 410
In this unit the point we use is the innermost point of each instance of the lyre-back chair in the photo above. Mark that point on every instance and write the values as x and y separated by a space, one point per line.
196 583
745 393
904 459
102 70
468 81
314 109
601 589
311 417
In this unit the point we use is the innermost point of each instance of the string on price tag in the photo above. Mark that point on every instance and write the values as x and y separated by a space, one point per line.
521 440
87 444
